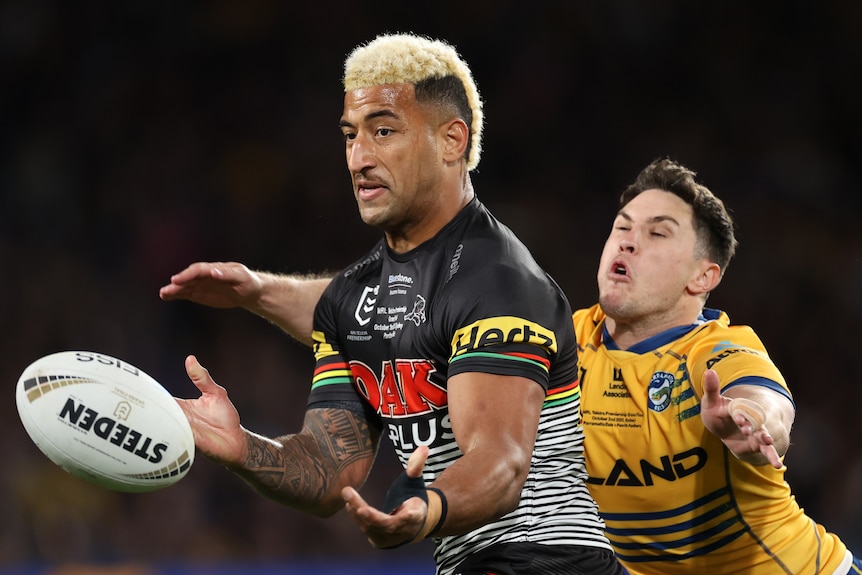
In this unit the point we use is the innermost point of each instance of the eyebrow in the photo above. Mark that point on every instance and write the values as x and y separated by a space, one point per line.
652 220
370 116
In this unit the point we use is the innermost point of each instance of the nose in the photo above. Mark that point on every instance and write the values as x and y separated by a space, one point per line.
360 155
628 243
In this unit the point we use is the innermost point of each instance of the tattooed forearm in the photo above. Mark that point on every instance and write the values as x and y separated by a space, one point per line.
341 435
307 470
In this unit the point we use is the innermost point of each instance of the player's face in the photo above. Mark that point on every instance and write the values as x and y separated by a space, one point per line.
649 259
392 157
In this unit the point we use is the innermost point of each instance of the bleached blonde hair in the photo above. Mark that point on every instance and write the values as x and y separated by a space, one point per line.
412 59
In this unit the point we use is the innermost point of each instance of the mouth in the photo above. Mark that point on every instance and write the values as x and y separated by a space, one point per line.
368 190
619 269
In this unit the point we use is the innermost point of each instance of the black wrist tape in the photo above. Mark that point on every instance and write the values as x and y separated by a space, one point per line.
402 489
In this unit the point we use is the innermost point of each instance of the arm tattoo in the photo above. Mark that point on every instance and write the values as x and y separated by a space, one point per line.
302 470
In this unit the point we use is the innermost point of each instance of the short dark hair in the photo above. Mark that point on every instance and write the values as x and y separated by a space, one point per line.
448 92
712 222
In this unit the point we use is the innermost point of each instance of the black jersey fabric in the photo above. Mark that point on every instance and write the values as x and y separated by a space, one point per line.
392 328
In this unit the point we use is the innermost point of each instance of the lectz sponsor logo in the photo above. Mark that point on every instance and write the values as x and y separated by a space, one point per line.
366 304
498 330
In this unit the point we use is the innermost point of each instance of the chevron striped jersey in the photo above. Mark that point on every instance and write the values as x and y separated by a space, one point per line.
391 329
674 500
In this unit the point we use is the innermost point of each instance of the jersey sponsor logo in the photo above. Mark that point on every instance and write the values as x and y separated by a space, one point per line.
417 316
455 263
399 284
366 304
400 280
722 345
371 258
644 473
617 387
658 392
504 329
728 352
410 434
403 388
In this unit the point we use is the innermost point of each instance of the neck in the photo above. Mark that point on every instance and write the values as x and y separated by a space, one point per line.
437 213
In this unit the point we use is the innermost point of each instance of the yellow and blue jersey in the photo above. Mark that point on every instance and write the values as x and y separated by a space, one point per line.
673 498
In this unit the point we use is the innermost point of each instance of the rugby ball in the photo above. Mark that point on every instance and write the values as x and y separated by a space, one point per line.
105 421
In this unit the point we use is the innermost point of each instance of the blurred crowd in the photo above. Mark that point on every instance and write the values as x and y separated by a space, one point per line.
139 137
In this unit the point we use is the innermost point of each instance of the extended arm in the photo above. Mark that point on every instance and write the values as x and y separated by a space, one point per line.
288 301
494 419
306 471
753 422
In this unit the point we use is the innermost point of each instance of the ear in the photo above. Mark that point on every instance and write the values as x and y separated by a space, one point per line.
456 136
706 279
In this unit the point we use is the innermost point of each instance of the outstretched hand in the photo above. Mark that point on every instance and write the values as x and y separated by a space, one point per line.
404 524
214 419
738 422
215 284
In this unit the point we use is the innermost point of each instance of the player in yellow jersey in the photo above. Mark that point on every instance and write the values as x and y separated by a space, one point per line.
686 417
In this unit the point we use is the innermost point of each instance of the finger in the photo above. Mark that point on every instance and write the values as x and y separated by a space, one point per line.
191 272
711 385
352 498
199 375
361 512
417 460
180 279
772 456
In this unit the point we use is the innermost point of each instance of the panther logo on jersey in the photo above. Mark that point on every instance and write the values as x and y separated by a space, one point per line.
417 316
659 390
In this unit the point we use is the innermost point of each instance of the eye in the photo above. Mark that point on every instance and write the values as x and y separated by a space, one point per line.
383 132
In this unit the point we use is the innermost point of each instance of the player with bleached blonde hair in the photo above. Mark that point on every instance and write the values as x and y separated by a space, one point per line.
446 336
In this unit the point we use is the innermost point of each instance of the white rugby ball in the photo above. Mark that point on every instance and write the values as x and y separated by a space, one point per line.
105 421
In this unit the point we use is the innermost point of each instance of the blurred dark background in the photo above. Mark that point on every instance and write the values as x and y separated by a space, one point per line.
138 137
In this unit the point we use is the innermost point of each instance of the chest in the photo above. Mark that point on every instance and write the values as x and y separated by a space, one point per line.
641 418
387 324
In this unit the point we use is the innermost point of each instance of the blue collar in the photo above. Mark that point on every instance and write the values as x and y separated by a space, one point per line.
662 338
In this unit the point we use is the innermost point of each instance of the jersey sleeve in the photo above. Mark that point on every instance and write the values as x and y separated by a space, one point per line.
522 327
739 357
332 380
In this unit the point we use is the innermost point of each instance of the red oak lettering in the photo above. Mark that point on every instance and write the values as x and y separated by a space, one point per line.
404 387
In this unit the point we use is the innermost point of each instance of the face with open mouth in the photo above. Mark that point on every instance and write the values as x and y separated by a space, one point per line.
649 259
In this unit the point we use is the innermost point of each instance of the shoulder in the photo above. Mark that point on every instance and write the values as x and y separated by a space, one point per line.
718 334
735 352
489 250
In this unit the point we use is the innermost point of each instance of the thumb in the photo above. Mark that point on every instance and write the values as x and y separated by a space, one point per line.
417 460
199 375
711 383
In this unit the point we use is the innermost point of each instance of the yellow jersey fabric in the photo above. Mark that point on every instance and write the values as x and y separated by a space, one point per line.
674 499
